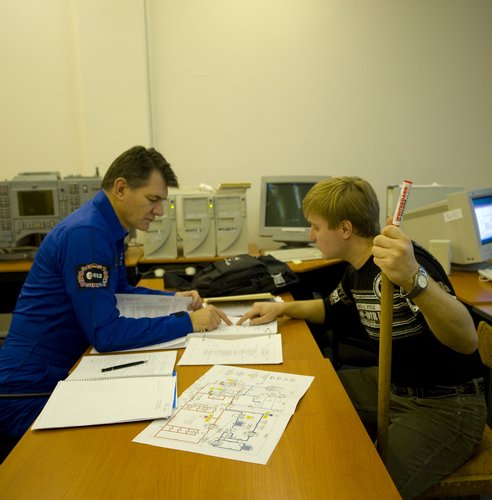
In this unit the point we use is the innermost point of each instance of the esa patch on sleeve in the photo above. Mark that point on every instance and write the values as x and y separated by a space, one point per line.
92 276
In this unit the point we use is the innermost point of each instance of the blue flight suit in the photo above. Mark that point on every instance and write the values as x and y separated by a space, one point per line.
68 303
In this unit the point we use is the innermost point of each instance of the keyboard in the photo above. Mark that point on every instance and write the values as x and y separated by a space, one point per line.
301 253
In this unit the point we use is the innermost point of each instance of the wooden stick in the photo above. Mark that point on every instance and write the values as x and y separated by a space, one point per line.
385 339
384 376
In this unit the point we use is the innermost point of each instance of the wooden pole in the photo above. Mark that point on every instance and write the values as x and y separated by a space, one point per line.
385 339
384 375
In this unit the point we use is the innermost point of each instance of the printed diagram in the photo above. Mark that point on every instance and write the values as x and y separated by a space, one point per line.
231 412
226 415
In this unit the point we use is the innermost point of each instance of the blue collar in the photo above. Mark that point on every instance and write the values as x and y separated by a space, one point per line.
116 231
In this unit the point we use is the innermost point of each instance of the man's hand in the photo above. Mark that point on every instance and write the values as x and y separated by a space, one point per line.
196 300
393 253
208 318
262 312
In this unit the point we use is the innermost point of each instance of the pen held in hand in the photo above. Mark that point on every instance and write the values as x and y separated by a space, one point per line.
125 365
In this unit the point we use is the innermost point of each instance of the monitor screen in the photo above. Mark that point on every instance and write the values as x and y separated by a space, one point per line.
281 215
284 204
463 218
483 215
35 203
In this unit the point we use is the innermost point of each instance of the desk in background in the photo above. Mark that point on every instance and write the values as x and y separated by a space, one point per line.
469 289
324 452
132 256
13 274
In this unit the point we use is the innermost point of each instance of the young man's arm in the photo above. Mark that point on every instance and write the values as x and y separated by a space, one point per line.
265 312
446 316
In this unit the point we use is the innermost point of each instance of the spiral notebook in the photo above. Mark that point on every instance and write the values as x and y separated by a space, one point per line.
109 389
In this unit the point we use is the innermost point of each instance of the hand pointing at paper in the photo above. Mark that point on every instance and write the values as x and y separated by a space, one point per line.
208 318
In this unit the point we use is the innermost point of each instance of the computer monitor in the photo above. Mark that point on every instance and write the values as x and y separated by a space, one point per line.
464 218
281 215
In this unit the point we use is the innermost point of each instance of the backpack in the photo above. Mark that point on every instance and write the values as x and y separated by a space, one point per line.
243 274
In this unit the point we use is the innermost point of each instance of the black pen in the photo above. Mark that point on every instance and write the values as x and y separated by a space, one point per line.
126 365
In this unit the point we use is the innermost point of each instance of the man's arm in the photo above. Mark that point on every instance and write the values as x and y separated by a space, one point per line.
266 312
446 316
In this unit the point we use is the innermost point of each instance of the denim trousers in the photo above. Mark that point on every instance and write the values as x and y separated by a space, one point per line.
427 437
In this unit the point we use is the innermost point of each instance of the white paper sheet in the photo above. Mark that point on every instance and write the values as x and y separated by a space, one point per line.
265 349
136 305
90 396
155 363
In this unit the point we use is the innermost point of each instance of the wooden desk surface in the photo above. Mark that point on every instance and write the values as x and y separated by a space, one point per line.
132 257
470 289
15 266
312 265
324 452
252 250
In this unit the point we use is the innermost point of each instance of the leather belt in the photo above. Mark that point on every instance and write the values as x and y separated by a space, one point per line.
475 386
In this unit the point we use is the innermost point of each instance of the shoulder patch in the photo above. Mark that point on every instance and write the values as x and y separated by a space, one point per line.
92 276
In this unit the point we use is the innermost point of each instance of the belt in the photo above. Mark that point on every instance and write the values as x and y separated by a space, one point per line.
475 386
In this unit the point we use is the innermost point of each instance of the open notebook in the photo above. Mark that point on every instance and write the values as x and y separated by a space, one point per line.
114 388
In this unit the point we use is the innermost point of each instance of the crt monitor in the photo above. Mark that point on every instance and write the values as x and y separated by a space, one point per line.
281 215
464 218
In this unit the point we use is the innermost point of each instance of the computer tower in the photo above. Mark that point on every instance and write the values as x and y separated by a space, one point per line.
160 240
196 223
231 223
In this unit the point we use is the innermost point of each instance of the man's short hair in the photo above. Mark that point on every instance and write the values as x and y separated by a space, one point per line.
345 198
136 165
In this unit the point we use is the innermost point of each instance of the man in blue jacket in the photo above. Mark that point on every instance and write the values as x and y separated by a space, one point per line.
68 301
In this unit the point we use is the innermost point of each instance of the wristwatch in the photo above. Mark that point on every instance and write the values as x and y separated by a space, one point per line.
420 283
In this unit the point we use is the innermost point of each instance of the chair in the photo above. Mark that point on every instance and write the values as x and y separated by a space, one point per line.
474 477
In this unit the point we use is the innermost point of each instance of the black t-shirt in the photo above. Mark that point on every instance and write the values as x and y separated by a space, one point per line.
418 358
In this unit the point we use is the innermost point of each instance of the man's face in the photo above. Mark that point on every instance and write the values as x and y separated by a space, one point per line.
329 241
140 206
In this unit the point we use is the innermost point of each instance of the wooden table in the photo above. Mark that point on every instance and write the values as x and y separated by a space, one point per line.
132 257
469 289
312 265
324 452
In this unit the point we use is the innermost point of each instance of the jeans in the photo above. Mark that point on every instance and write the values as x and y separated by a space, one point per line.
427 438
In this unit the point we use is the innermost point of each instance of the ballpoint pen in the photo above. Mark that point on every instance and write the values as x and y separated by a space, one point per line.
125 365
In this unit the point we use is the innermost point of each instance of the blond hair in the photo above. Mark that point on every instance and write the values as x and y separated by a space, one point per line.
345 198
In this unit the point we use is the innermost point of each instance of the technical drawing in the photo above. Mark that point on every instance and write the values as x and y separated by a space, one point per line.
231 412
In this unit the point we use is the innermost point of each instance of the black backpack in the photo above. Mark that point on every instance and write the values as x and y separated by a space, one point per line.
243 274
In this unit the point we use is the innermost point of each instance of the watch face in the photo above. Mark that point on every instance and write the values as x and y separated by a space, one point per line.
422 281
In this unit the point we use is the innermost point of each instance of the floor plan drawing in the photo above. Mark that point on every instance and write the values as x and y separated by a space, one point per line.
231 412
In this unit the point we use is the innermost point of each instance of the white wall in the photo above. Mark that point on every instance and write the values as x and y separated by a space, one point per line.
386 89
114 78
39 88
